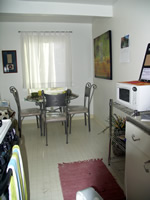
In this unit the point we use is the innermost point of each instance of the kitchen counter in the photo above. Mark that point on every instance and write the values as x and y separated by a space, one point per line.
144 125
137 165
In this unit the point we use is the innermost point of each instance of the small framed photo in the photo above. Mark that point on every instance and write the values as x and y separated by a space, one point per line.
9 58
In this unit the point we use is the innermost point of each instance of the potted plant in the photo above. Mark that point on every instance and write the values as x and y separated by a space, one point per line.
118 141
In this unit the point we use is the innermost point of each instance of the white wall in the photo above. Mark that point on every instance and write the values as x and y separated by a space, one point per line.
130 17
133 18
81 57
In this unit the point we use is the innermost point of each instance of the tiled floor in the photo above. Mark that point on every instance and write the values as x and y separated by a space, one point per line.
41 162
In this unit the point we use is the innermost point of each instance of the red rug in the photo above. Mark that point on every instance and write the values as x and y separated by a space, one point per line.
92 173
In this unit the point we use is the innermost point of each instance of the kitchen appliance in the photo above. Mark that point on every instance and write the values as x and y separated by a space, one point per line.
8 139
4 128
134 95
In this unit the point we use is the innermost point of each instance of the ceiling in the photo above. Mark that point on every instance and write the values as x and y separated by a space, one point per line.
69 11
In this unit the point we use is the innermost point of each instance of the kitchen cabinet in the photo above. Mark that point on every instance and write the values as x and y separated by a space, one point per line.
137 164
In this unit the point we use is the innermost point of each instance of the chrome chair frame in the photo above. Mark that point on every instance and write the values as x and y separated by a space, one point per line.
54 110
22 113
85 109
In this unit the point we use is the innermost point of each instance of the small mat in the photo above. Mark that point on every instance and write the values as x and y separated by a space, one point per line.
77 176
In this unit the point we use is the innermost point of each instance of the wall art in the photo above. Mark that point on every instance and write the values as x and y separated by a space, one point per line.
103 56
9 58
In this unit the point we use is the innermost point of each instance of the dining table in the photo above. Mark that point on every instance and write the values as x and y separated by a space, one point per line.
38 100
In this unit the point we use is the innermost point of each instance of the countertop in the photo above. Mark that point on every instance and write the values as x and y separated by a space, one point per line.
144 125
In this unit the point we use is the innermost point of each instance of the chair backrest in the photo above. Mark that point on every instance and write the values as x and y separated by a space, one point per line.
93 88
59 100
87 89
14 91
88 95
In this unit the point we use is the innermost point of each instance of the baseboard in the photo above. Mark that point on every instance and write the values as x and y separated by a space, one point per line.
79 117
32 121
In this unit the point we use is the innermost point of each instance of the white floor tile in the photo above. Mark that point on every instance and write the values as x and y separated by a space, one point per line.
41 162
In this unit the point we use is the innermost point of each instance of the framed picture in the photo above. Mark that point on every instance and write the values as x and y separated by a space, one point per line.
9 61
103 56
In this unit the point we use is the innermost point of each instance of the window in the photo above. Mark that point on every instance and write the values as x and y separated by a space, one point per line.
46 59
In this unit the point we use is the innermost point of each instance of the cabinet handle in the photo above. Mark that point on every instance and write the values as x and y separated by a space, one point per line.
146 163
133 138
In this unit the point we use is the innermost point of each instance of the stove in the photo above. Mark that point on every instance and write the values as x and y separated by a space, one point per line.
8 139
4 128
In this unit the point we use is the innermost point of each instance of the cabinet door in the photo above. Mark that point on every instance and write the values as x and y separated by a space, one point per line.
138 138
137 174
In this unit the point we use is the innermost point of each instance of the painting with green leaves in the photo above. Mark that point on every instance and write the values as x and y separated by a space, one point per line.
103 56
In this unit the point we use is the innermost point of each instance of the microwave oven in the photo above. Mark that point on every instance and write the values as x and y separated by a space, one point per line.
134 95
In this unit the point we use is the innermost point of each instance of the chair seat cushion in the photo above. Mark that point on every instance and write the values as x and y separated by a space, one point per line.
55 117
77 109
30 112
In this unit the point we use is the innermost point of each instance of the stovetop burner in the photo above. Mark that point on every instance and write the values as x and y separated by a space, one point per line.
4 128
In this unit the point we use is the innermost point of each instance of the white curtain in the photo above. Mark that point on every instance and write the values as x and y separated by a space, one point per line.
46 59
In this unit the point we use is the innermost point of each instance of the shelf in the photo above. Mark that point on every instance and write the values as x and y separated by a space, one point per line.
129 111
122 137
119 140
124 109
132 113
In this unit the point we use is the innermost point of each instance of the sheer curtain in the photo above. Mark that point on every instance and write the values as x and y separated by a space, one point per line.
46 59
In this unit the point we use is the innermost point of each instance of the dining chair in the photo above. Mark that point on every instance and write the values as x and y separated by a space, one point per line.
83 109
22 113
54 110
